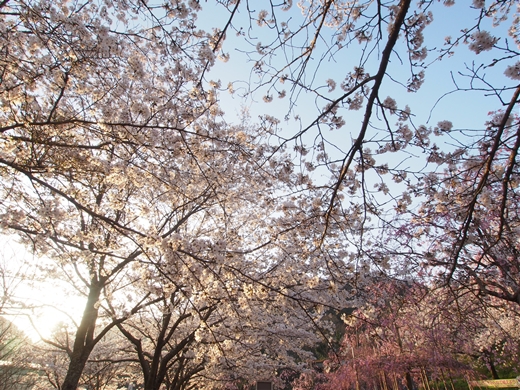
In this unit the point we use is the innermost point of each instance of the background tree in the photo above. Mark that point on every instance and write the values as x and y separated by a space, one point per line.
484 331
394 339
408 334
235 309
16 368
163 341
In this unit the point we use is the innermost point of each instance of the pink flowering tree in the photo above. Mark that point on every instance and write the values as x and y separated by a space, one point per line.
404 335
409 335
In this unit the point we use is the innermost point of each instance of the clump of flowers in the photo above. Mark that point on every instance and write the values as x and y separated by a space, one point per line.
482 41
479 3
513 71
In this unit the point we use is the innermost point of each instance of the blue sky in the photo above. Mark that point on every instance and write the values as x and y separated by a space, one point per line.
464 109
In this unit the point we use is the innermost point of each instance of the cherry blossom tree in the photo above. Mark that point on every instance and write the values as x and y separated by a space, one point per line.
107 368
290 46
181 344
163 341
407 334
116 166
225 314
124 234
85 135
385 338
388 159
403 336
470 219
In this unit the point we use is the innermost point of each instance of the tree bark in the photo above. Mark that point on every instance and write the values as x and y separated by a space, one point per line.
409 381
492 368
84 338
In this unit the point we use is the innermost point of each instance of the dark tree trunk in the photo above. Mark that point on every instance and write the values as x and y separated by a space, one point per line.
488 359
493 369
409 381
84 339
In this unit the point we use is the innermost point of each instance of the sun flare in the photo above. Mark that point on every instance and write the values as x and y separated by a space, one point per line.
49 309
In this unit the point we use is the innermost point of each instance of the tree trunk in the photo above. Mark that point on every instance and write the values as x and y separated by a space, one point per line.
493 369
488 356
409 381
84 338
